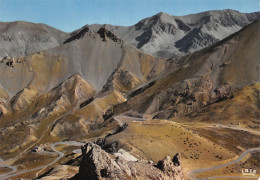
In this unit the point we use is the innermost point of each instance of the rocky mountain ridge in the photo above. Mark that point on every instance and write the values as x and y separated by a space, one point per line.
94 71
164 35
161 35
202 78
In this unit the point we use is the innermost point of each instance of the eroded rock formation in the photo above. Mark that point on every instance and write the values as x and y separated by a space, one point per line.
98 164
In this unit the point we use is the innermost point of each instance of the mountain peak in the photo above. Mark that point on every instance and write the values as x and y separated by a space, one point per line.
160 18
163 17
161 14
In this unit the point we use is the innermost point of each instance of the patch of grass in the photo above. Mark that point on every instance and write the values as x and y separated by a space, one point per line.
157 138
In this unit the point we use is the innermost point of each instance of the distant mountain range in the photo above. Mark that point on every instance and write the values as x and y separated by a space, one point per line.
161 35
164 35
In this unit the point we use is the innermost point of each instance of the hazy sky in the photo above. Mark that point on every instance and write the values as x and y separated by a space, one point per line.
69 15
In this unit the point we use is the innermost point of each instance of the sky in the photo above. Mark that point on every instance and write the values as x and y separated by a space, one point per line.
69 15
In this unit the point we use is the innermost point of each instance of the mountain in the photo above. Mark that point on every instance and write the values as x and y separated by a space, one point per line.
204 105
203 78
161 35
18 39
83 78
95 86
164 35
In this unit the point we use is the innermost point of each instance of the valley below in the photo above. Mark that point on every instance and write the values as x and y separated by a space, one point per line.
203 156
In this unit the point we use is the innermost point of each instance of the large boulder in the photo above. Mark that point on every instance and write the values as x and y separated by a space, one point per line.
97 164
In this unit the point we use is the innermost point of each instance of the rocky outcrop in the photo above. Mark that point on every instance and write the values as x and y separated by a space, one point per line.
3 110
77 35
171 167
105 34
98 164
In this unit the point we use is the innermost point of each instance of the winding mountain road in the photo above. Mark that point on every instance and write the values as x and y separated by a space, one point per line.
235 127
60 155
191 175
13 169
121 120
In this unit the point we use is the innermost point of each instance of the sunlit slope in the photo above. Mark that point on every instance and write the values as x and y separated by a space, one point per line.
94 58
242 108
202 78
82 78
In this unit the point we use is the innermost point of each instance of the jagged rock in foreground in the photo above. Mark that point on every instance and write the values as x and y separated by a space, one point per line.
98 164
